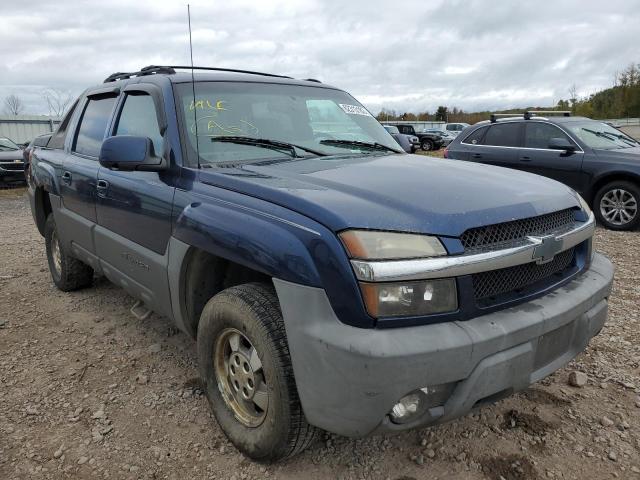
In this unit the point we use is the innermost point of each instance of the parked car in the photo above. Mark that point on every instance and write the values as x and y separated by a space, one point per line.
597 160
41 141
409 143
331 281
447 137
454 128
428 141
11 163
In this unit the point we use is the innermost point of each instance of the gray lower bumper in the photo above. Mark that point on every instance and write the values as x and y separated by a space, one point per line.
349 378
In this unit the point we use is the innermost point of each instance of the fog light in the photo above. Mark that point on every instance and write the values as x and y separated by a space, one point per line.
408 407
416 403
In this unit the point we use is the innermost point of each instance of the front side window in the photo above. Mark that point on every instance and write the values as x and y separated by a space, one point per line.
391 129
93 126
503 135
138 118
326 121
539 135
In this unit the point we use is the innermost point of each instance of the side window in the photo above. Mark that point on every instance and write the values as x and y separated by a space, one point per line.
57 139
538 135
138 117
93 124
503 135
475 138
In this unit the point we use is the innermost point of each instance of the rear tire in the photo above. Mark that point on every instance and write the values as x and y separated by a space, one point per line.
426 145
243 326
68 273
616 205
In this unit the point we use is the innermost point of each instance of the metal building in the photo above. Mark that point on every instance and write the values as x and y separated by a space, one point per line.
23 128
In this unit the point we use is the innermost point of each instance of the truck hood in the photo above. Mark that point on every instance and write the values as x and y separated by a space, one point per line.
6 156
411 193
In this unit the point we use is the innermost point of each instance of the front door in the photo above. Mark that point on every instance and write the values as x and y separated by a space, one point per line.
134 210
537 157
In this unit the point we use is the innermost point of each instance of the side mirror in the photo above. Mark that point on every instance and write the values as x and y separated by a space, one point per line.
128 153
561 144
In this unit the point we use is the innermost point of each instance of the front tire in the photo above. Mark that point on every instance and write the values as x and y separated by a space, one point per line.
426 145
616 205
68 273
246 368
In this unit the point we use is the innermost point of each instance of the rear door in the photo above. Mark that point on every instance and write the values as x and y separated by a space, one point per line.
499 145
80 170
134 208
536 157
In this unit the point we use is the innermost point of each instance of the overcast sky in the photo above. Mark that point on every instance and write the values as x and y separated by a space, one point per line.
408 55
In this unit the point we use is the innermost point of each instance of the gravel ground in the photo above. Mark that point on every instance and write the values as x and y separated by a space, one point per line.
88 391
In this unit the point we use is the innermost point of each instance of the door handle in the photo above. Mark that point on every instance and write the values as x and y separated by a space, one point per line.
525 159
476 155
66 177
101 187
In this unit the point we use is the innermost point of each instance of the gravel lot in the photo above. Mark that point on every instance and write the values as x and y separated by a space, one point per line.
88 391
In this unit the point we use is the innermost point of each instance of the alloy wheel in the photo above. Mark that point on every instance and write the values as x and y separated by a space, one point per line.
618 206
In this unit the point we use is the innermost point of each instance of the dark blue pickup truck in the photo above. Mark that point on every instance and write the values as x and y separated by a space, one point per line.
331 281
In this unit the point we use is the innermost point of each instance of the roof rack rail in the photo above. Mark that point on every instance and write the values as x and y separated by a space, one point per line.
530 113
171 69
312 80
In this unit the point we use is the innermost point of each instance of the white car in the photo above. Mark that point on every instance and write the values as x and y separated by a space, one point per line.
454 128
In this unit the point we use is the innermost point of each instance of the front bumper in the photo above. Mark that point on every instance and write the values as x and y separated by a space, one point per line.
12 170
349 378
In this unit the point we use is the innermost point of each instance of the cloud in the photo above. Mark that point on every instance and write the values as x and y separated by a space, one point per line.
409 56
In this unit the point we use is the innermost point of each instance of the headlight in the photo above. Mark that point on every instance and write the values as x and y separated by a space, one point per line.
414 298
375 245
410 299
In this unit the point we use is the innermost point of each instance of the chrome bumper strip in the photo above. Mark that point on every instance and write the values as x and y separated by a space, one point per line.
454 266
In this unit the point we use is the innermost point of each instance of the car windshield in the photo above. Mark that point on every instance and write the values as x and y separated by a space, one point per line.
7 145
599 135
233 122
391 129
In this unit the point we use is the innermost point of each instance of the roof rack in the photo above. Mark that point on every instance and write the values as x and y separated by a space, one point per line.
171 69
530 113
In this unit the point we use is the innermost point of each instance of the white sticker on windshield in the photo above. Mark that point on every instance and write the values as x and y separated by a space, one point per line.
354 110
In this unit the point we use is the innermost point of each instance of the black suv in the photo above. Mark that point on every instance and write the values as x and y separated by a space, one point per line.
598 161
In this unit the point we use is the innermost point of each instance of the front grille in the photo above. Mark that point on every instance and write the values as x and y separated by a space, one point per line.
487 285
505 234
12 166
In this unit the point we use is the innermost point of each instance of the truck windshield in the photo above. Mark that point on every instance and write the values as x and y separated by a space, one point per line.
315 121
7 145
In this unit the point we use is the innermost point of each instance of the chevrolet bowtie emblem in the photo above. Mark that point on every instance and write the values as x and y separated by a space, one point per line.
546 248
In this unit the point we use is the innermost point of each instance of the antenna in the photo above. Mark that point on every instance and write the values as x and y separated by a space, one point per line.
193 87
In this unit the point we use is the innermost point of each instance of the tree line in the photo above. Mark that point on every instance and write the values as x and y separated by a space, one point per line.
620 101
57 101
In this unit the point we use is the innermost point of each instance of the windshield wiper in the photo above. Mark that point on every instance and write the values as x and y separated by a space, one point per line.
357 143
290 148
622 137
609 136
